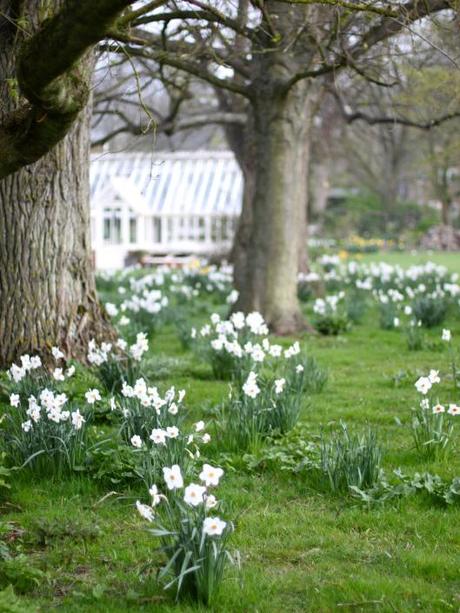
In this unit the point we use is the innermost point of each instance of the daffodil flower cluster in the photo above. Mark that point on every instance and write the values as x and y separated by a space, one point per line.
427 290
193 536
118 362
263 404
30 376
153 425
47 432
432 421
235 346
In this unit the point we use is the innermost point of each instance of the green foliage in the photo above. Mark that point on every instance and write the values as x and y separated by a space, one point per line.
111 463
388 315
432 433
331 324
21 574
430 310
433 487
5 474
366 215
195 561
45 532
414 337
348 460
356 307
292 452
10 603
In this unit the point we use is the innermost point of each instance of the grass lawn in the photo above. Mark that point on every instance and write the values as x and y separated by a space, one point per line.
301 550
450 260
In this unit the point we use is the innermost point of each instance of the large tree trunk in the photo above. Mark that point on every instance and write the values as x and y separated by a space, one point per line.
273 222
47 287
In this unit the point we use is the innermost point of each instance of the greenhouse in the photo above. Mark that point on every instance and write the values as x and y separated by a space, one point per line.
163 204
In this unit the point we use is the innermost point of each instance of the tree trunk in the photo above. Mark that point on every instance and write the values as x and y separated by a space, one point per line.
273 222
47 286
445 207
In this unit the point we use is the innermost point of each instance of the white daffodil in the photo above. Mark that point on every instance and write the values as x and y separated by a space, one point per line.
193 494
279 385
423 385
156 496
146 511
210 475
77 419
250 387
173 477
172 432
438 408
173 410
92 396
158 436
121 344
199 426
26 425
213 526
454 409
136 441
57 353
15 400
446 335
210 501
58 375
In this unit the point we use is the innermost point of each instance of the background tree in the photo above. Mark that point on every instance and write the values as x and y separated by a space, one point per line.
270 62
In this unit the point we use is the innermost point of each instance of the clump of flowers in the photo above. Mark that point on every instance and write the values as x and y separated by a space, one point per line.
234 347
144 306
30 375
193 535
46 432
265 405
431 309
153 425
117 363
330 315
432 421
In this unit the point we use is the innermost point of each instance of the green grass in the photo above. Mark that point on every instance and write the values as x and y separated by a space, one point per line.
300 550
450 260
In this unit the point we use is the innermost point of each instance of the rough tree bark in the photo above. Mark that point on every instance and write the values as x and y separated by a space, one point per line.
270 244
47 287
273 223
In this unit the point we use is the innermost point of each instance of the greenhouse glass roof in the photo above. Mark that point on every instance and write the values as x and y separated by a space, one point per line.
194 183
